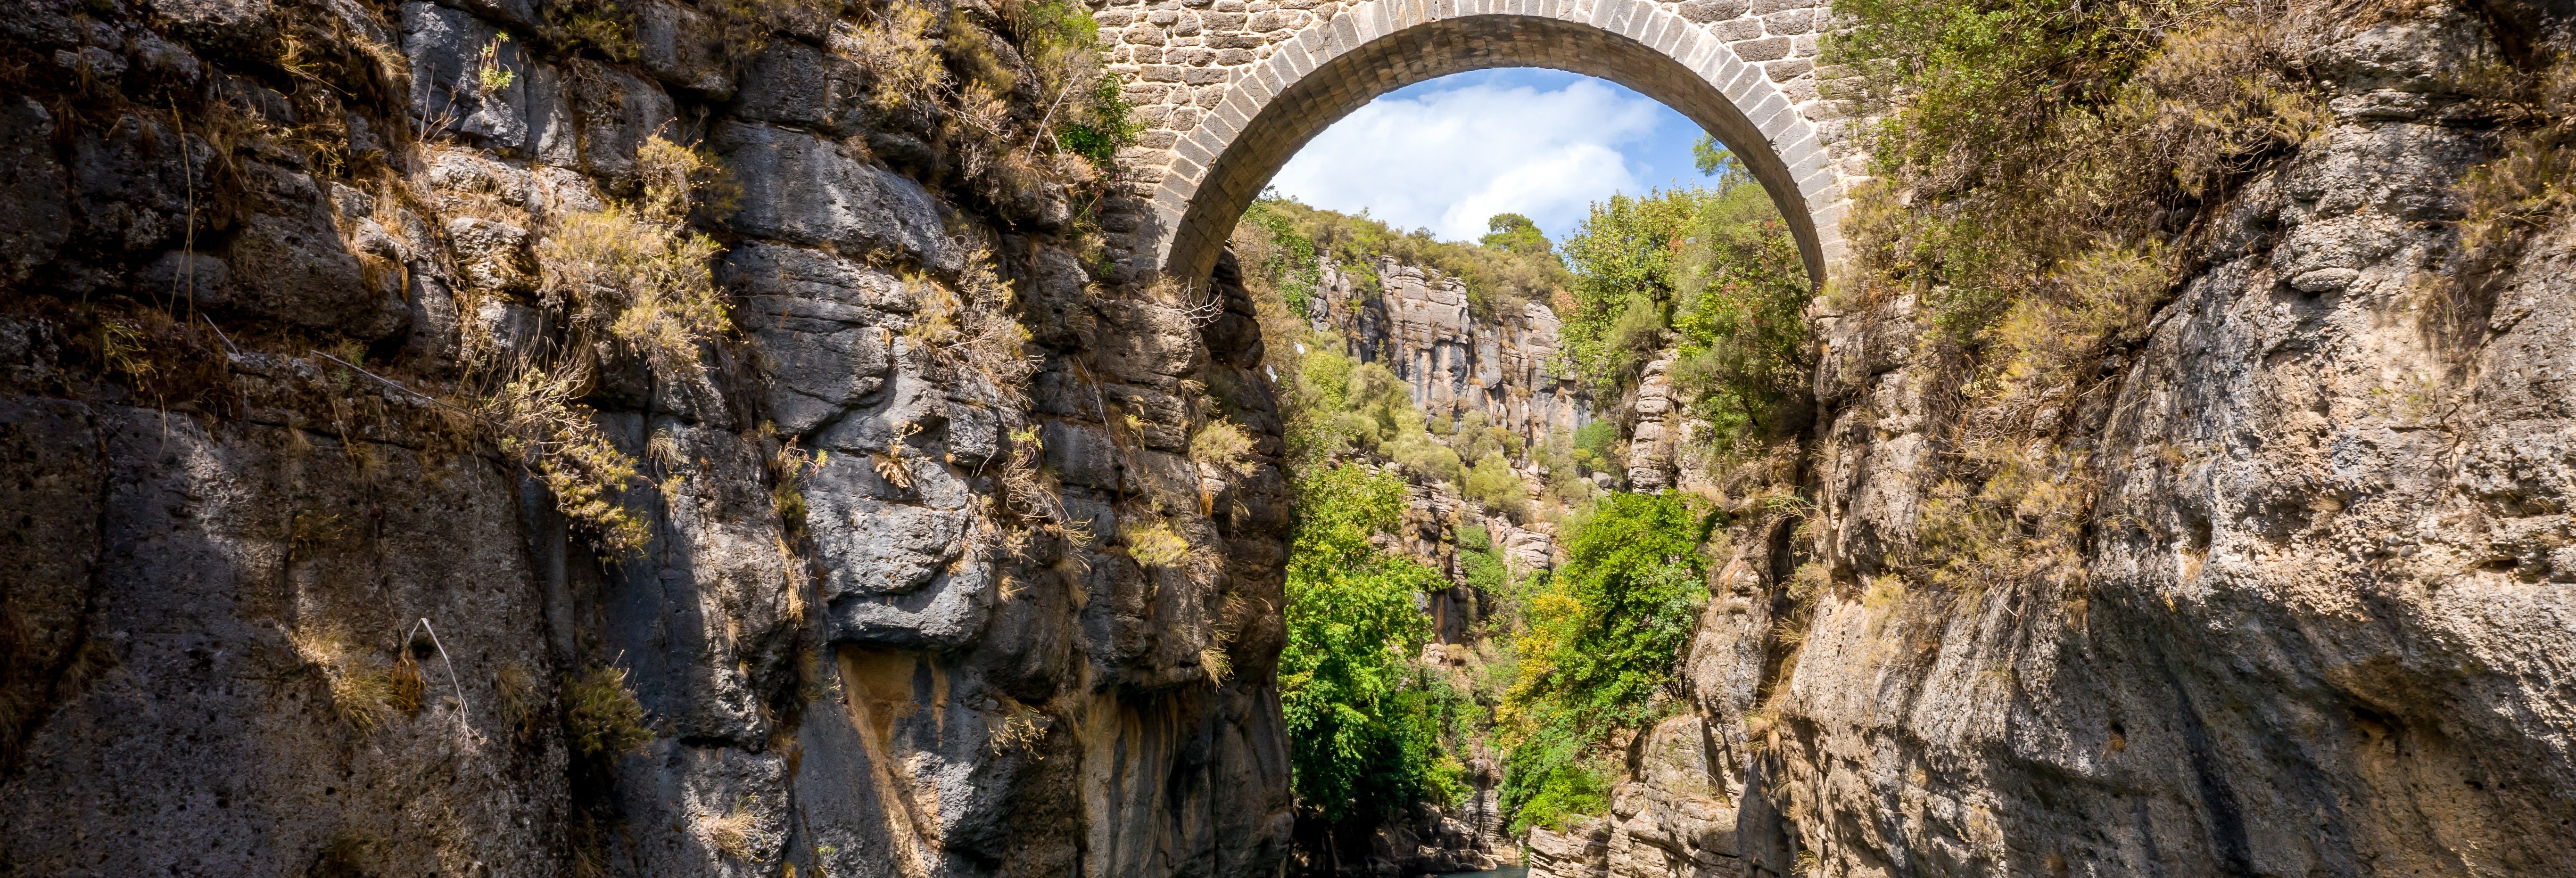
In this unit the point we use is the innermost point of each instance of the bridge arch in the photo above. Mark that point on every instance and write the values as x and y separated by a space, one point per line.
1231 89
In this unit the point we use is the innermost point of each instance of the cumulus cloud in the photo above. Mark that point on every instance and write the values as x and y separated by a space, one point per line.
1447 160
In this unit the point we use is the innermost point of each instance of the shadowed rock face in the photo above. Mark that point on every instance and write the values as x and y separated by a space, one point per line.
219 543
2316 626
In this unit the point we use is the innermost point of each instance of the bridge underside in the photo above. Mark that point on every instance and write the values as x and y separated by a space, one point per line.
1249 125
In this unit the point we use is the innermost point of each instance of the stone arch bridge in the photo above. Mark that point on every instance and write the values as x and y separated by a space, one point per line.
1230 89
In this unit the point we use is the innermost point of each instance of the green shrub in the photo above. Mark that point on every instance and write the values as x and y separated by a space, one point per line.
1559 780
1740 312
601 715
1481 561
1600 439
1364 720
1103 123
1496 487
1602 636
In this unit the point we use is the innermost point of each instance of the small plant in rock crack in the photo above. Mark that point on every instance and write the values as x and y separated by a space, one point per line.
1222 445
1031 497
601 715
1021 730
522 706
789 469
1156 544
890 463
488 73
1215 660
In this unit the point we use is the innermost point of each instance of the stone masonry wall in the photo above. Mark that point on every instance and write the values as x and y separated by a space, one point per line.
1229 89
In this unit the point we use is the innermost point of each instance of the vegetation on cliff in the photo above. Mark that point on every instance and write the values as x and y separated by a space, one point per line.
1511 265
1709 274
2042 159
1597 641
1365 721
1572 663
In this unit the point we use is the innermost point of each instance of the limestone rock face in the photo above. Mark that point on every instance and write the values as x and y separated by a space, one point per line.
2314 625
1420 325
275 615
1658 429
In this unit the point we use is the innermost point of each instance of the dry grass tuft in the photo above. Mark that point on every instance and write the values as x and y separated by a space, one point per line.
363 690
1022 730
626 281
1156 544
738 833
539 422
1223 445
410 693
897 50
522 706
601 715
1218 664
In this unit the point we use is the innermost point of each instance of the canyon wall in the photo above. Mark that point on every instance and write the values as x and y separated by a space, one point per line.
2315 620
1418 322
284 602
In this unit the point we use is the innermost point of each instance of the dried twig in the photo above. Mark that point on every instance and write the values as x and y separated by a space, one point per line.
384 381
452 679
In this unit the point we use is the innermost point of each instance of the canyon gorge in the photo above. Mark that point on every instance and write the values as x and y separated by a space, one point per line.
730 438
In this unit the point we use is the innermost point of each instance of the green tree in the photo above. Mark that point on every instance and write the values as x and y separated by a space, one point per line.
1514 233
1623 258
1364 720
1604 633
1715 160
1740 313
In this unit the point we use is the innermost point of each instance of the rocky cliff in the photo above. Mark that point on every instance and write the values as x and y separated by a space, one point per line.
293 595
2313 621
1418 322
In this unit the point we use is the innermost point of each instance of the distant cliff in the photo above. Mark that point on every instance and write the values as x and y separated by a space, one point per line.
1418 323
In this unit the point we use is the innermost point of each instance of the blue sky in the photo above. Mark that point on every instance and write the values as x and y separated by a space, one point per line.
1448 153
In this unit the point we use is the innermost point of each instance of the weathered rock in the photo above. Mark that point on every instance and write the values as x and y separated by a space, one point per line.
795 84
803 189
31 189
821 322
218 678
683 49
2311 631
1457 362
492 256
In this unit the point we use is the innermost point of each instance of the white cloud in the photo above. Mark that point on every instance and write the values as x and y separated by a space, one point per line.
1450 159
